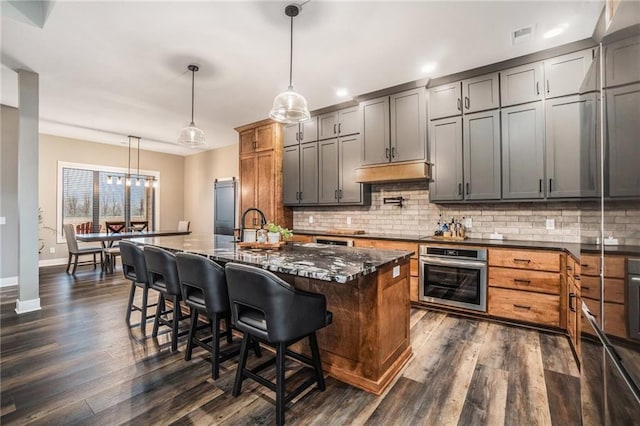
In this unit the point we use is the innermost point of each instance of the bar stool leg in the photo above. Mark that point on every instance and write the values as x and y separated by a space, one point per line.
174 327
132 294
143 319
159 310
215 356
280 396
227 324
242 362
317 362
192 332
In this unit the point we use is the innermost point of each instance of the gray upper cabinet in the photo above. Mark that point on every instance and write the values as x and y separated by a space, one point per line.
523 151
522 84
564 74
291 175
445 153
621 62
445 100
339 123
622 130
375 130
408 125
481 148
571 152
308 173
349 190
328 171
480 93
304 132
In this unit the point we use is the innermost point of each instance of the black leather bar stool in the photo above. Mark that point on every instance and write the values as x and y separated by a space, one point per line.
272 311
162 272
134 268
204 290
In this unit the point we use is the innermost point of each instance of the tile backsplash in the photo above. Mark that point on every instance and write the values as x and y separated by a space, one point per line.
526 221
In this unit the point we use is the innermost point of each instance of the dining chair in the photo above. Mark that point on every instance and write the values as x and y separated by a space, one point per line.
183 226
76 252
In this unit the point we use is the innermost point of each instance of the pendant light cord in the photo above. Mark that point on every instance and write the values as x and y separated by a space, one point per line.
291 57
193 78
138 159
129 167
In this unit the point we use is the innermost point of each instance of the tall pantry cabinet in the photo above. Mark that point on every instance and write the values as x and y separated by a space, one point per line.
261 152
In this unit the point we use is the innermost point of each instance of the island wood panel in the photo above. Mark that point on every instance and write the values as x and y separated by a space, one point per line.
525 306
525 259
368 342
414 289
544 282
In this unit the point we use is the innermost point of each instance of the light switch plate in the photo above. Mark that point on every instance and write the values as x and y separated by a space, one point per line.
3 220
551 224
348 220
468 222
396 271
310 219
52 250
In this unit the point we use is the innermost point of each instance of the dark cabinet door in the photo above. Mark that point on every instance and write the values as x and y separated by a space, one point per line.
308 130
523 151
291 134
408 125
328 171
480 93
521 84
350 150
308 173
571 152
375 131
445 155
481 148
623 147
445 100
291 175
349 121
563 74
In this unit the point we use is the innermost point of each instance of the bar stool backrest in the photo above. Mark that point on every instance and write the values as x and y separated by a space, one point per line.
134 265
162 270
203 280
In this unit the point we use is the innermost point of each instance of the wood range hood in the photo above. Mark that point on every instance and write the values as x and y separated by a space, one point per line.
399 172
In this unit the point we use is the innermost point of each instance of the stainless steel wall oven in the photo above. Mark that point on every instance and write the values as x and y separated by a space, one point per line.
454 277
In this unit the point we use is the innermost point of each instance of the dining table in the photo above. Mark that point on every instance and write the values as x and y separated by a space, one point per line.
107 239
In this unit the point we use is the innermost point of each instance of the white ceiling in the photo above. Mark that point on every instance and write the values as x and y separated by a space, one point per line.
112 68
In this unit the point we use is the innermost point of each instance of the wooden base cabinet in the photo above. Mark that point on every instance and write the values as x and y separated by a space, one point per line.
261 152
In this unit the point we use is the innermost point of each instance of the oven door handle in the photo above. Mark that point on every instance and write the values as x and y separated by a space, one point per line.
446 262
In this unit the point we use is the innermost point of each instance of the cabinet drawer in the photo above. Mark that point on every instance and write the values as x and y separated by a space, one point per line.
590 264
545 282
614 266
387 245
614 290
590 287
525 259
615 320
524 306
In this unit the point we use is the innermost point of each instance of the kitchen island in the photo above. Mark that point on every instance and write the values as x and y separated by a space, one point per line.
366 289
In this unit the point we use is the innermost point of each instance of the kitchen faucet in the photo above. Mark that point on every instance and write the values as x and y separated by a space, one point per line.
263 220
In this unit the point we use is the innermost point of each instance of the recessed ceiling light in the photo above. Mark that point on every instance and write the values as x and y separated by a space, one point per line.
555 31
341 93
430 67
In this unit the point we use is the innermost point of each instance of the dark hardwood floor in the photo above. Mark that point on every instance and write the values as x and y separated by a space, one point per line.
77 362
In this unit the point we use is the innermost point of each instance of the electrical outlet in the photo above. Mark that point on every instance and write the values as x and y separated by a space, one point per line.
3 220
468 222
52 250
310 219
551 224
348 220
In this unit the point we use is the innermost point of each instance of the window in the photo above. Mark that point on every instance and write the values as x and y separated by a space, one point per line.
92 196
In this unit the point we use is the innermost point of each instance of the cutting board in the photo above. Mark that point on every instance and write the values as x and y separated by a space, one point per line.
265 246
346 231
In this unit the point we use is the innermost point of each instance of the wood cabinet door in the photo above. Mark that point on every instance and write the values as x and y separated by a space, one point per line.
309 173
349 121
309 130
375 131
327 125
291 134
265 184
623 128
564 74
481 148
445 155
291 175
480 93
328 171
247 139
349 153
265 137
248 173
523 151
445 100
408 125
521 84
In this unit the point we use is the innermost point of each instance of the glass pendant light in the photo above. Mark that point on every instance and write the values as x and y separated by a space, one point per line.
191 135
109 180
290 106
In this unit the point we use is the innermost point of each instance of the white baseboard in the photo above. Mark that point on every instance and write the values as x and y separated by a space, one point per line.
53 262
8 281
24 306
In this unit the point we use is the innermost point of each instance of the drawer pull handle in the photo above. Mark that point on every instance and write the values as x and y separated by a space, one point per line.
572 298
584 265
522 260
515 280
569 268
586 288
522 307
576 277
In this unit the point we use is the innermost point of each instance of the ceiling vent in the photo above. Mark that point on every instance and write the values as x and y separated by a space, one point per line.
521 35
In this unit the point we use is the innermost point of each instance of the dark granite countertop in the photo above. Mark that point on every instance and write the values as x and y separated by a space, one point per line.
318 261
